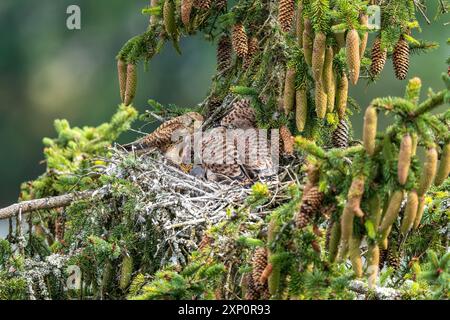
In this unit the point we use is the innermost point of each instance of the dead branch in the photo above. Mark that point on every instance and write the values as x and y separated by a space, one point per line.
44 203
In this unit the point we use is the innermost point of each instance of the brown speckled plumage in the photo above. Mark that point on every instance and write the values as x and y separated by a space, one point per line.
241 116
161 138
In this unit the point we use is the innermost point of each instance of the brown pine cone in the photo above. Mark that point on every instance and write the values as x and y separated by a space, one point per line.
131 84
340 135
286 12
253 47
383 257
287 140
122 73
186 9
353 58
60 226
378 58
311 203
221 4
259 263
223 53
239 40
393 258
202 4
400 59
252 293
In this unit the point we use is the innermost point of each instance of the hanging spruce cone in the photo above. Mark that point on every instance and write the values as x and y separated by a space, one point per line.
419 214
400 58
378 58
287 140
221 4
393 258
340 135
259 263
364 21
404 158
223 53
239 40
131 84
342 95
126 272
428 171
154 18
334 240
353 58
286 12
311 203
301 108
170 24
60 226
186 9
328 78
355 256
122 73
253 47
391 213
383 257
307 40
444 165
202 4
318 57
373 261
289 90
370 130
321 100
252 293
409 216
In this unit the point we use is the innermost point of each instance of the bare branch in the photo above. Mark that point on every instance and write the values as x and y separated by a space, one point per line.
44 203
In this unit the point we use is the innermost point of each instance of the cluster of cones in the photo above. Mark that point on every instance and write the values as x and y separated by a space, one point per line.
400 58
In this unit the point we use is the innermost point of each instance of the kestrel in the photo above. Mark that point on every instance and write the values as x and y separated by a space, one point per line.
241 116
236 150
236 154
167 133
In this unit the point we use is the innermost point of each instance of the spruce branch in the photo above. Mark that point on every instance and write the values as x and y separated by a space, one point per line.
429 104
393 104
310 147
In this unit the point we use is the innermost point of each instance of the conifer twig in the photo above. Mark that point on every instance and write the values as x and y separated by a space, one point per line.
429 104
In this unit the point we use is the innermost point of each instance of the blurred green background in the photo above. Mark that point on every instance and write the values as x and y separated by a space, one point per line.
48 72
